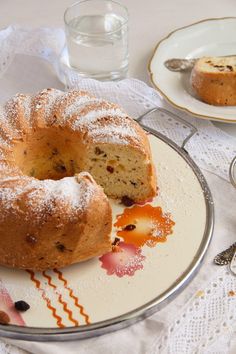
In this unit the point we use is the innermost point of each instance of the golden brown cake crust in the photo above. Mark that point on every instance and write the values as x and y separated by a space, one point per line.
55 233
49 216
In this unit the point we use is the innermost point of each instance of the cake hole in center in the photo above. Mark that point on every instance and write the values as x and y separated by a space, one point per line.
49 154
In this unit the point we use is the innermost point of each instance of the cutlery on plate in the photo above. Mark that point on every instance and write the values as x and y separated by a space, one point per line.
181 65
176 64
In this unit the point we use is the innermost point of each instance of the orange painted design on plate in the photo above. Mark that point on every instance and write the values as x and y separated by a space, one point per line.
60 299
76 300
144 225
44 296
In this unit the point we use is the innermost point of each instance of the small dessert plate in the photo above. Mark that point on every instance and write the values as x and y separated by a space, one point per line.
210 37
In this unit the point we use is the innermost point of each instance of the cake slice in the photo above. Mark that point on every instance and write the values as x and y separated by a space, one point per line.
214 80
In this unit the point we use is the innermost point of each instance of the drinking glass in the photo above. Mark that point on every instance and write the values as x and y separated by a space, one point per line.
97 39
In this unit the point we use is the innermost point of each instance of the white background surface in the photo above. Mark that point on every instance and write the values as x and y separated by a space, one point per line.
150 21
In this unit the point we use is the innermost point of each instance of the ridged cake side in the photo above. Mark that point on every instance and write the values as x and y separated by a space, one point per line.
49 215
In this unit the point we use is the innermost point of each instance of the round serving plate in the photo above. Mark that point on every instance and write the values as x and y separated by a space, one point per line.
210 37
145 271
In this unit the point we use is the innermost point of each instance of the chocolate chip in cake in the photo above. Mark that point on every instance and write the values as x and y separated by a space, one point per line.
98 151
60 247
60 167
4 318
55 151
110 169
116 241
31 239
229 67
133 183
127 201
21 306
54 119
130 227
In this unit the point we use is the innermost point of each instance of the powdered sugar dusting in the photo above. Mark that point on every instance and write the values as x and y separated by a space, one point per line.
91 119
79 103
68 189
2 115
113 134
51 95
5 129
47 194
11 110
3 142
27 108
52 99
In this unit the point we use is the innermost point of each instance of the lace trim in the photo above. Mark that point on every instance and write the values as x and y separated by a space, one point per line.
189 332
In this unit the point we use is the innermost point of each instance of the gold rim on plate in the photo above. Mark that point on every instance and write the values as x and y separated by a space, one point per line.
151 74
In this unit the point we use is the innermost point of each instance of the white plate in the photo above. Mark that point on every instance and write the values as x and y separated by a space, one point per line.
210 37
84 300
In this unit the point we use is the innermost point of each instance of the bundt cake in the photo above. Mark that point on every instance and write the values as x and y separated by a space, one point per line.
50 143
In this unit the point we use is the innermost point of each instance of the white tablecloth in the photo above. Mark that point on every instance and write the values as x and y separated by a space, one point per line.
202 319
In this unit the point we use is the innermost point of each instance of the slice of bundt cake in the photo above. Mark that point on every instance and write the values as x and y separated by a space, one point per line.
214 80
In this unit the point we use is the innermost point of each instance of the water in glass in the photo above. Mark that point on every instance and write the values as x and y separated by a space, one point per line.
98 45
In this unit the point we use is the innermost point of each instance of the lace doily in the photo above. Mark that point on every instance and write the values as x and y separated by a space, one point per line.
210 148
6 348
188 333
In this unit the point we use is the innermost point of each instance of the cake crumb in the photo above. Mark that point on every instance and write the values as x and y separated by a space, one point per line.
231 293
200 293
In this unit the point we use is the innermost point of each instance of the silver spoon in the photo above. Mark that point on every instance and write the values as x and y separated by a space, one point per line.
182 65
226 256
176 64
229 255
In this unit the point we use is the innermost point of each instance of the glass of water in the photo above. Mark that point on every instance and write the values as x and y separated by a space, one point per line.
97 39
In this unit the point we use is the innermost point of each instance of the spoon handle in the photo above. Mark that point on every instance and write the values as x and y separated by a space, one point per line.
233 264
181 65
226 256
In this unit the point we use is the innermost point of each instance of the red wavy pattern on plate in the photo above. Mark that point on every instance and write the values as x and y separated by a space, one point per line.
7 305
76 300
60 300
46 299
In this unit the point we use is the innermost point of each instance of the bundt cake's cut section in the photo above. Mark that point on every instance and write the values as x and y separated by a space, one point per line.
214 80
122 171
58 222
